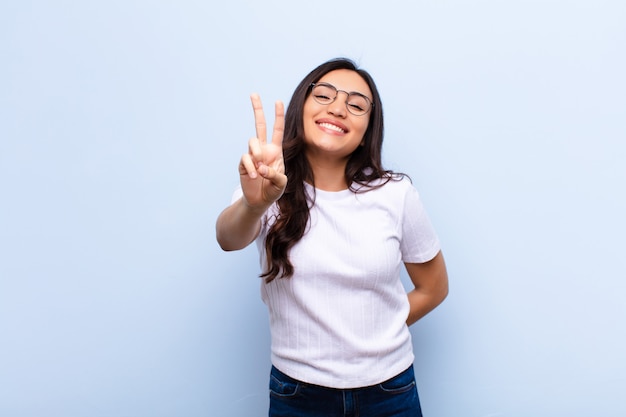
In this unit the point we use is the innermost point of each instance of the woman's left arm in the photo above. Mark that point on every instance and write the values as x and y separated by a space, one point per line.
430 280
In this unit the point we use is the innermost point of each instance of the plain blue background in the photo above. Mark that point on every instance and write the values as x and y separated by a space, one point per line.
121 125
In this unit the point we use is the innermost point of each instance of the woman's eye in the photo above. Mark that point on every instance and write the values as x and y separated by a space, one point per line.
322 97
356 106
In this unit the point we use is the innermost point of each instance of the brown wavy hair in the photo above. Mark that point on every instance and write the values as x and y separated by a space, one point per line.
364 166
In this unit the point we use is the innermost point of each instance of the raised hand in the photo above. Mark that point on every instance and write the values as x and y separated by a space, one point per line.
262 169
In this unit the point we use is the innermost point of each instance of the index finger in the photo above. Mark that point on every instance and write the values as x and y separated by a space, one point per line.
279 124
259 118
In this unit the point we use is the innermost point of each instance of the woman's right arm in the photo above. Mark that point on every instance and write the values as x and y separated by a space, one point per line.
263 181
238 225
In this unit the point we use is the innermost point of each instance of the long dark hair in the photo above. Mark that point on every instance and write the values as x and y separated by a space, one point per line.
364 166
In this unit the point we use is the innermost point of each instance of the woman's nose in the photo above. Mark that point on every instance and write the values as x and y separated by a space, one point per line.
338 107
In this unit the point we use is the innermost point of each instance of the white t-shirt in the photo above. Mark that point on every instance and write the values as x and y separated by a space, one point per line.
340 320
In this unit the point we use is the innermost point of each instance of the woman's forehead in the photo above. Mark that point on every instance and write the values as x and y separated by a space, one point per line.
347 80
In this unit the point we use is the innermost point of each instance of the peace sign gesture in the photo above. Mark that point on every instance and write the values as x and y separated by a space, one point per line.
262 169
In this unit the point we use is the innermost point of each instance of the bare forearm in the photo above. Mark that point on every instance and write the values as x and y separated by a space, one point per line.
237 226
430 280
422 303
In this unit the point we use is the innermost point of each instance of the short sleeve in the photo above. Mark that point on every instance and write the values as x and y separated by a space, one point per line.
419 241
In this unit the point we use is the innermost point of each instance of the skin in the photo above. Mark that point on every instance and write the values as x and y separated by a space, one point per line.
263 180
328 150
430 281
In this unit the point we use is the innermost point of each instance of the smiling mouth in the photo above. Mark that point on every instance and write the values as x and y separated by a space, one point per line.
332 127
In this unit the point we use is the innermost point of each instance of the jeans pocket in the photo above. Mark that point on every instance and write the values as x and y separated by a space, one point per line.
283 386
399 384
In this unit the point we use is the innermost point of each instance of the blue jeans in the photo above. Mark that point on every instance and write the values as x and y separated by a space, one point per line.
396 397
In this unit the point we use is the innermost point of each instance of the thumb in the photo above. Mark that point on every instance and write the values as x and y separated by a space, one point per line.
278 179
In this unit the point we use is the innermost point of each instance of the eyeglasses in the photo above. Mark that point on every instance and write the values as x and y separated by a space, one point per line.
356 103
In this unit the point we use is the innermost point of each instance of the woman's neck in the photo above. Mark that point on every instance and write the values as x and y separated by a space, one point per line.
329 175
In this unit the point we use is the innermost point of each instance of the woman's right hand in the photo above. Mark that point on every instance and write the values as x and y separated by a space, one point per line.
262 169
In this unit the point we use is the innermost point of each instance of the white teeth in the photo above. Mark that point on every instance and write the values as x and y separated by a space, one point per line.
332 127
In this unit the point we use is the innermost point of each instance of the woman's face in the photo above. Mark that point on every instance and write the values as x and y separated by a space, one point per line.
330 130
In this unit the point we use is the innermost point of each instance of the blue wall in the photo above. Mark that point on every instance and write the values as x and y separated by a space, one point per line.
121 125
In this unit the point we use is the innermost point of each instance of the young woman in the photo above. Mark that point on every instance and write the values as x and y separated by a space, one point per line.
334 229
